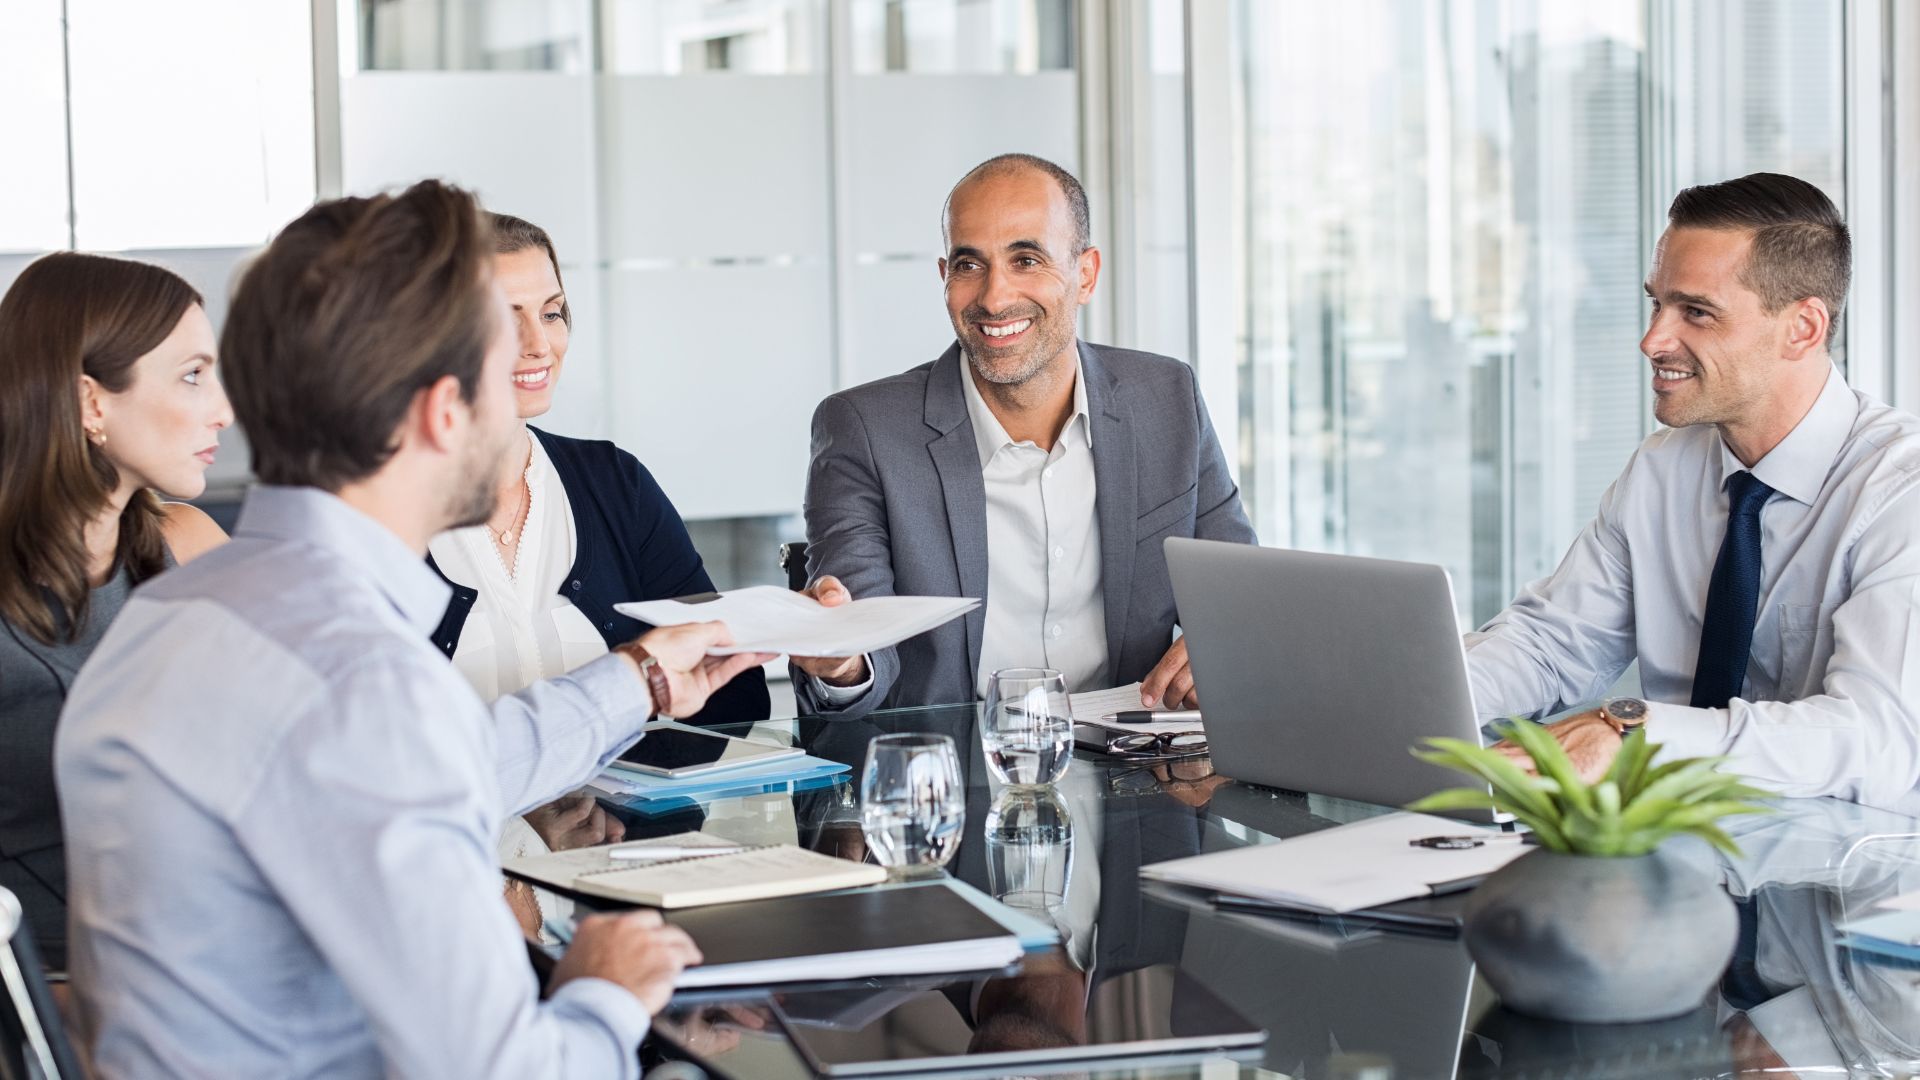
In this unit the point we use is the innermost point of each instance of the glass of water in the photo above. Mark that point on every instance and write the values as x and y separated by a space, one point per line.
1026 728
912 806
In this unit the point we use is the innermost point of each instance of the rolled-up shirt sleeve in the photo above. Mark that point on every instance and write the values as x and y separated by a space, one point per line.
1859 738
398 889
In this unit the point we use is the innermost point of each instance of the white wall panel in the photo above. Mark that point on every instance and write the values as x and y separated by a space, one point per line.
702 167
914 135
522 140
716 379
33 210
899 319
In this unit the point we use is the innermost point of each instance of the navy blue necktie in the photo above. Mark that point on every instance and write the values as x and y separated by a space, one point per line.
1733 597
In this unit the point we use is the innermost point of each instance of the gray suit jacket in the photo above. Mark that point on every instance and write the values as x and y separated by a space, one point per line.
896 506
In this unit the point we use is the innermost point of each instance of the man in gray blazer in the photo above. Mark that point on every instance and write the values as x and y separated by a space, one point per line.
1035 471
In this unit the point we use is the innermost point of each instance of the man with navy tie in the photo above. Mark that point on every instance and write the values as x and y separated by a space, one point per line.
1757 556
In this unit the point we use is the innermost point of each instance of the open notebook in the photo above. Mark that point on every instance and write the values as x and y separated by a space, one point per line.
753 873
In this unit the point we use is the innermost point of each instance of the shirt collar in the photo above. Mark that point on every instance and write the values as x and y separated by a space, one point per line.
990 436
306 515
1799 465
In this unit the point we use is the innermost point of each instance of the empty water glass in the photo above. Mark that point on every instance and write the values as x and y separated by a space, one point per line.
912 807
1026 728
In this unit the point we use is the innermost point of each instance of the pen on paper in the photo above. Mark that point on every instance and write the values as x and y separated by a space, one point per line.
1149 716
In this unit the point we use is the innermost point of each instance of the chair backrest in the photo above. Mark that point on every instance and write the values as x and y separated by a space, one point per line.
33 1041
793 559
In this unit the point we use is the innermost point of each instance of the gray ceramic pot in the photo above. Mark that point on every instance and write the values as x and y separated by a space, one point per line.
1600 940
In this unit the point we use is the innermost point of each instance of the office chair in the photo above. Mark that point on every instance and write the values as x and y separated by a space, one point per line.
33 1041
793 559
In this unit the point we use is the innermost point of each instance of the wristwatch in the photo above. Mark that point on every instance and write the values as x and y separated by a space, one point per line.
655 677
1624 713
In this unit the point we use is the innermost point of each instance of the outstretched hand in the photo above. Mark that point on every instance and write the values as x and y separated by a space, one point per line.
692 675
835 670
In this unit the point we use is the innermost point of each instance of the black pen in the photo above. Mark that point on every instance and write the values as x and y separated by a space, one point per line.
1462 843
1150 716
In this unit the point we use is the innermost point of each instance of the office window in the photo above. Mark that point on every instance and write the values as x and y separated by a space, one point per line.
473 35
1446 210
963 37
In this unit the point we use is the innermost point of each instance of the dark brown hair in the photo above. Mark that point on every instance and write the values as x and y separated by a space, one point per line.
69 315
354 309
1801 246
511 234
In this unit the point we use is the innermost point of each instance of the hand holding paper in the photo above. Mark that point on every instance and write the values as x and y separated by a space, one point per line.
768 619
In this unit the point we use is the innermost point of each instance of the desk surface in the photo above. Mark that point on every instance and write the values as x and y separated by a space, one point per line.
1344 1004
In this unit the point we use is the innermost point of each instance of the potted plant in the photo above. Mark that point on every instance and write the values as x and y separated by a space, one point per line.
1594 926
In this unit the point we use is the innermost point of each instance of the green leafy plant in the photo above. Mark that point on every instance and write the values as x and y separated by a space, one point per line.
1630 811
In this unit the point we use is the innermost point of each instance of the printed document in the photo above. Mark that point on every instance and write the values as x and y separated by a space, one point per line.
767 618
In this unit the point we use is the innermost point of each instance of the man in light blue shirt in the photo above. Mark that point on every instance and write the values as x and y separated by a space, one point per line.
281 802
1757 556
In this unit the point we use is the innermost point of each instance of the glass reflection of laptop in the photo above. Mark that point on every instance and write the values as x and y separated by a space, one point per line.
1319 673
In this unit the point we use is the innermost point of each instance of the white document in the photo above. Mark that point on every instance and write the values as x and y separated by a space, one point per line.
767 618
1362 865
1090 706
981 955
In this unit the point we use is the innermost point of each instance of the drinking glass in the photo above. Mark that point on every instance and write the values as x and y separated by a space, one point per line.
912 806
1029 846
1027 728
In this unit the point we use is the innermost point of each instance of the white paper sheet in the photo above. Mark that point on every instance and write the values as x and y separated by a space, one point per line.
1362 865
1088 707
770 619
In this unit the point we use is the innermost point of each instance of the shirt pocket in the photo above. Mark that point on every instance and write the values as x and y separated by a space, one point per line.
1168 514
1806 645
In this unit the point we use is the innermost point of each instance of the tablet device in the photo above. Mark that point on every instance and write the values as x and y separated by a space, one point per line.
683 751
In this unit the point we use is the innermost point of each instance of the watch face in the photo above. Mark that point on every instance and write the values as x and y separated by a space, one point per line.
1627 710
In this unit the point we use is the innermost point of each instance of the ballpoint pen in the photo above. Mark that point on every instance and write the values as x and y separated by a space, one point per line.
1152 716
1462 843
640 851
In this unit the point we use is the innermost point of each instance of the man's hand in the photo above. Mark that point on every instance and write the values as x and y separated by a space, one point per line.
692 675
1171 681
636 950
833 670
1589 741
576 821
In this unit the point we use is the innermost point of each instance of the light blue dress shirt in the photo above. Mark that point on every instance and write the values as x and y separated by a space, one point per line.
1831 703
281 807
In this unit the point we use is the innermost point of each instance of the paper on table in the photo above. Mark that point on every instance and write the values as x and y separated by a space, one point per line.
1090 706
1362 865
766 618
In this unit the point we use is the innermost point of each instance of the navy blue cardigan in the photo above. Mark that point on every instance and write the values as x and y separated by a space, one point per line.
630 544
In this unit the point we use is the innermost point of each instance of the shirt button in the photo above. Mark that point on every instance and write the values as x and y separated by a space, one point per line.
1059 552
1046 473
1056 629
576 586
606 626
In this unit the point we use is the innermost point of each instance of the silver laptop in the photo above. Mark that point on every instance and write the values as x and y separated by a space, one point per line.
1318 673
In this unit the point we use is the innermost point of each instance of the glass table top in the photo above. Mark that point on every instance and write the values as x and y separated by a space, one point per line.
1350 1003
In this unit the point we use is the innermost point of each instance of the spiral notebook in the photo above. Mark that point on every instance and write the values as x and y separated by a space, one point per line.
731 875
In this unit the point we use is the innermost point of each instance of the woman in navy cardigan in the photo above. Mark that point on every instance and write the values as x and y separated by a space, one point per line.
534 588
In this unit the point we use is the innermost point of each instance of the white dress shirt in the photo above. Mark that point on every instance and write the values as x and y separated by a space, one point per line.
1044 604
521 630
1831 704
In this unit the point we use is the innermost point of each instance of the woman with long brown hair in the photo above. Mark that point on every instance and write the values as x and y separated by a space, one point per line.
107 396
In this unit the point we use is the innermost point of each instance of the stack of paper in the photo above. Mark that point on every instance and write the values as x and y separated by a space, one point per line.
1349 868
647 793
1089 707
769 619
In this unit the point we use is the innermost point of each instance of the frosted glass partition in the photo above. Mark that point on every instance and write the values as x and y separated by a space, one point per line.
148 173
524 141
713 167
716 374
899 319
914 135
33 128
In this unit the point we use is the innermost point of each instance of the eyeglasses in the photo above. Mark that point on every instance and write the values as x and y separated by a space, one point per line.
1147 778
1165 744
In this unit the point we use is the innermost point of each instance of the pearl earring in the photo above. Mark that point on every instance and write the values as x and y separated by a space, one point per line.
97 435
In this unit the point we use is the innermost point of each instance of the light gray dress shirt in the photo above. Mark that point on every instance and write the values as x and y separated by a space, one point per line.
1044 603
1831 704
281 804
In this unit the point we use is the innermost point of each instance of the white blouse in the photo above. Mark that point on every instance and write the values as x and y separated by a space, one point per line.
521 630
